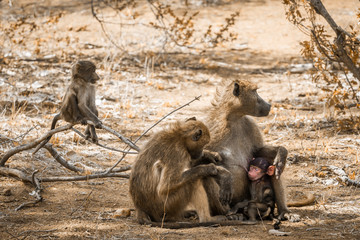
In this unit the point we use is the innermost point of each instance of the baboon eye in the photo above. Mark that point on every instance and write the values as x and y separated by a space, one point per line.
197 135
236 90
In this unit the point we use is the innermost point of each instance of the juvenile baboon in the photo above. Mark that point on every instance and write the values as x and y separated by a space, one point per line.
78 104
238 139
167 178
262 200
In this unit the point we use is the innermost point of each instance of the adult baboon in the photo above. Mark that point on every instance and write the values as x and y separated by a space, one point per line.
167 178
238 139
78 104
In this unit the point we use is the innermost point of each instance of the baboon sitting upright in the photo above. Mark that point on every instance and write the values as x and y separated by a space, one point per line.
164 181
78 103
238 139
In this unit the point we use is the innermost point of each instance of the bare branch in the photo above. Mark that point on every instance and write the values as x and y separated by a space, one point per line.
24 147
124 139
100 145
82 178
177 109
61 160
36 193
340 40
11 172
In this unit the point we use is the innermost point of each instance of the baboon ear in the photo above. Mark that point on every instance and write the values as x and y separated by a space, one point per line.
236 90
271 170
191 119
197 135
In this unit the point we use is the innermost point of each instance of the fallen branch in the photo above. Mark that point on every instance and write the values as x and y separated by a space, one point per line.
100 145
36 193
11 172
343 177
152 126
82 178
24 147
60 159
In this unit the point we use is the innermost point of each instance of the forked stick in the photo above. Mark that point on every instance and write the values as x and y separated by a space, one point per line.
24 147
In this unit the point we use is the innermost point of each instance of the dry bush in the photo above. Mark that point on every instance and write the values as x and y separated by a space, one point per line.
178 27
335 55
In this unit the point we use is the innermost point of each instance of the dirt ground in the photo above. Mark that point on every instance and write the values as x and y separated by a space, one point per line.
137 89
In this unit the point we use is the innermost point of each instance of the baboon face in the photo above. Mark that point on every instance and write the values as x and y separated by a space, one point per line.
196 136
86 71
250 101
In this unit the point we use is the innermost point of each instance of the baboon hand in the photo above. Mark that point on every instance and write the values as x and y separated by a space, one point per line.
98 125
211 169
83 121
226 193
213 157
279 168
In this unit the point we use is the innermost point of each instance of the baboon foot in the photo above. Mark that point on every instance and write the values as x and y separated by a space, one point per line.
292 217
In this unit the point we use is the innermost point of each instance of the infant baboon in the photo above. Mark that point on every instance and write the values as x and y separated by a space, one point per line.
78 104
237 138
164 181
262 201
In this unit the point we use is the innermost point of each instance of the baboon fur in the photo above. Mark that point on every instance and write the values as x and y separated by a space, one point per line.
237 138
164 181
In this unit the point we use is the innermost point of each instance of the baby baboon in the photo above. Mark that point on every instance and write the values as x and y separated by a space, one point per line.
164 181
262 201
237 138
78 104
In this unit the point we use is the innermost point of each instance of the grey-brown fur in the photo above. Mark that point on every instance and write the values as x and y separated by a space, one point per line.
78 103
237 138
262 200
164 181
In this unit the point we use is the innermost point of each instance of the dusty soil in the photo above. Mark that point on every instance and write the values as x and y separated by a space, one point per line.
134 94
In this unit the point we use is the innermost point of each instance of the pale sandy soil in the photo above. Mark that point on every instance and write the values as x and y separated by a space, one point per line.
132 97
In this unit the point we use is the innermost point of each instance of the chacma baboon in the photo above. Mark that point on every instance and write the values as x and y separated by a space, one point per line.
164 182
238 139
262 201
78 104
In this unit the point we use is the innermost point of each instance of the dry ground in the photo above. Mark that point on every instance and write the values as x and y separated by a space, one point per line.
133 95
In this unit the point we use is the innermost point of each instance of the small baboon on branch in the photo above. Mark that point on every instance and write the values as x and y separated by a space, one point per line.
78 105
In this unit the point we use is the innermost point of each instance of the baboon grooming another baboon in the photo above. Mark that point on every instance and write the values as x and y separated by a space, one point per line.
78 104
238 139
164 181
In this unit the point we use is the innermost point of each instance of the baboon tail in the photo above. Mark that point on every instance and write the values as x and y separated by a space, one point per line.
181 225
53 124
310 199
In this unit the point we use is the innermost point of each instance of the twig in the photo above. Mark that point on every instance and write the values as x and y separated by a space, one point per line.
61 160
14 139
146 131
82 204
35 193
124 139
177 109
100 145
354 183
24 147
